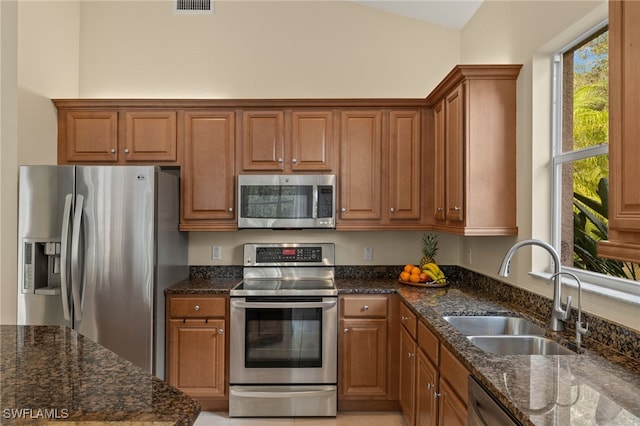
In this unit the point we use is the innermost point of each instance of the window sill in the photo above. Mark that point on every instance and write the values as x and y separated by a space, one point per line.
610 288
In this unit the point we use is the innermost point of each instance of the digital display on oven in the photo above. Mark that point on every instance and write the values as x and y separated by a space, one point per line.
288 254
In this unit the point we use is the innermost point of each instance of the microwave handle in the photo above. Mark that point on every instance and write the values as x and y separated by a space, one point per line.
314 211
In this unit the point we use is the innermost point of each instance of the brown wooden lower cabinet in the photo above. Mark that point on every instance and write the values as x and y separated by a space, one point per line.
367 359
197 345
433 383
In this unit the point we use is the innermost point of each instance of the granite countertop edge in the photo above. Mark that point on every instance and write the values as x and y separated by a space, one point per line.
431 304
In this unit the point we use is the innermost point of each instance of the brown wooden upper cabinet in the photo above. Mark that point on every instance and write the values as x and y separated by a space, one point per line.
474 150
208 173
93 133
623 241
289 141
382 177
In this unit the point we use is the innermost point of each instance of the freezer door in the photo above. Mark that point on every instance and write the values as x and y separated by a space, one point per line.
115 259
41 202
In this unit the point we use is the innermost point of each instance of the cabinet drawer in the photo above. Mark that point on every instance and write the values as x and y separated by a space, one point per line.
364 306
455 373
428 342
408 319
197 307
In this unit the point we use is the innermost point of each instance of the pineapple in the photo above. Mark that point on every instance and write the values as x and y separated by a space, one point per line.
429 249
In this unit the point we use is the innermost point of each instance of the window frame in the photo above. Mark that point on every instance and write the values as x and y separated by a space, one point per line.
614 287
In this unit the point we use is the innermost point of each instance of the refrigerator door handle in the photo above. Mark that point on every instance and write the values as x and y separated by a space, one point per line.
76 281
64 253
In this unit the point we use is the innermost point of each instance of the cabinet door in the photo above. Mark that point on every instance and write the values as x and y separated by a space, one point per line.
426 391
452 411
405 161
624 141
150 136
196 357
454 146
263 140
208 175
360 165
439 200
88 136
407 374
312 144
363 359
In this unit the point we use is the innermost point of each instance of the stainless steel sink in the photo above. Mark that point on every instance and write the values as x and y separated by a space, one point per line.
519 345
493 325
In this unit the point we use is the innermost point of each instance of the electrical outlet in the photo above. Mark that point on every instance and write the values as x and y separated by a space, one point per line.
216 253
368 253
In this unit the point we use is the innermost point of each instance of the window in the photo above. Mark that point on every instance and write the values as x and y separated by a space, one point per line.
580 157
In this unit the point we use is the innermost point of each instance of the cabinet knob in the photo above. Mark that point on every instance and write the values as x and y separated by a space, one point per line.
456 208
294 161
196 308
410 354
392 210
113 150
429 385
126 150
343 209
279 160
346 330
220 331
230 209
365 308
439 209
436 394
403 318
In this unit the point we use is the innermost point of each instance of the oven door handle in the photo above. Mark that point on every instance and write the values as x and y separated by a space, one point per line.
280 305
275 394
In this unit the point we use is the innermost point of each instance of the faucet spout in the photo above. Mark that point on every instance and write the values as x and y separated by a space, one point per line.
558 315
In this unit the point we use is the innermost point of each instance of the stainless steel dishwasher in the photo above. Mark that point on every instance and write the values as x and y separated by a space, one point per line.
484 409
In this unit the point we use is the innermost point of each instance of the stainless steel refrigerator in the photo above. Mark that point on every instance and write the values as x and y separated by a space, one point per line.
97 247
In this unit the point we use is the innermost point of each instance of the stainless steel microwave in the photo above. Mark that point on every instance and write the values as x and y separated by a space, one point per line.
286 201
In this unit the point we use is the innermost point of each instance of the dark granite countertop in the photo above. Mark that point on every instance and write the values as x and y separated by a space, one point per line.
50 373
597 386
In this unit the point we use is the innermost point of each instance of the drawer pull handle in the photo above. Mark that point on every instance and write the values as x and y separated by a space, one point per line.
196 308
365 308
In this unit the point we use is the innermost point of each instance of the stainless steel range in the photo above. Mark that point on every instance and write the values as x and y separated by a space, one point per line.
284 317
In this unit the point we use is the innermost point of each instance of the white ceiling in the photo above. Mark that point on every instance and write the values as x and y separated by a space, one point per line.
449 13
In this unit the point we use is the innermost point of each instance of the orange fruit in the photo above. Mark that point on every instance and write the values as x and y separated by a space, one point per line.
414 278
415 271
408 267
404 276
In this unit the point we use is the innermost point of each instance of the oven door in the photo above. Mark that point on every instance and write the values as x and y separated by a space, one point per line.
283 340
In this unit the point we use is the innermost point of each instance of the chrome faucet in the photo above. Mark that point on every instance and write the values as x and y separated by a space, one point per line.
580 329
558 315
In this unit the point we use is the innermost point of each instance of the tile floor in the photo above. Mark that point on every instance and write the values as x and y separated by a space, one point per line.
208 418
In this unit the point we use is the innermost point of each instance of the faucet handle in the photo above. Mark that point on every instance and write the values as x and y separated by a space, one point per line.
567 312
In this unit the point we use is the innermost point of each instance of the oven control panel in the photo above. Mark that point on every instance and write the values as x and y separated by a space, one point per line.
291 254
288 254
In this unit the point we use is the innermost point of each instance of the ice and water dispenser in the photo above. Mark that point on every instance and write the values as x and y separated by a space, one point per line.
41 266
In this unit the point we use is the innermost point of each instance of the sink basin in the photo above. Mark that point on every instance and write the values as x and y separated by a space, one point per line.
519 345
493 325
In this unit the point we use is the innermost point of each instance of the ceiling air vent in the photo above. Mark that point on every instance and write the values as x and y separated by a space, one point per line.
194 6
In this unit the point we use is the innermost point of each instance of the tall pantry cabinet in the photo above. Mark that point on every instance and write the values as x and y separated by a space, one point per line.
623 242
